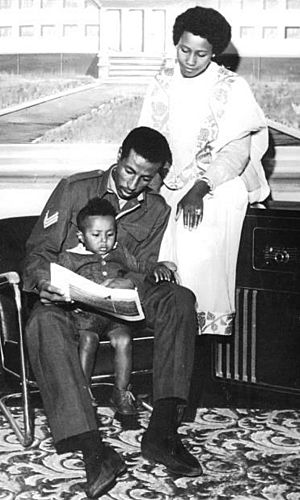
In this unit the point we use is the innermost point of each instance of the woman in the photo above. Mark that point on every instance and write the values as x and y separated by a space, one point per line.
218 135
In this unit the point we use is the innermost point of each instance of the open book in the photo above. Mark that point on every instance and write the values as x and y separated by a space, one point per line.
119 302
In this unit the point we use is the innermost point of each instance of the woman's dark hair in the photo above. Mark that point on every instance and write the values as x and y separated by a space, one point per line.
204 22
148 143
95 206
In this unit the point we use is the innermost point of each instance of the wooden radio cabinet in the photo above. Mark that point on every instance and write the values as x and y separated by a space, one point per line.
264 352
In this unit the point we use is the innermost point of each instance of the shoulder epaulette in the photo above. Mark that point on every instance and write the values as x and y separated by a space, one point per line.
81 176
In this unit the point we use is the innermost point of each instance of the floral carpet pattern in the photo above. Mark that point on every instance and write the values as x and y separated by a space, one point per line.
245 454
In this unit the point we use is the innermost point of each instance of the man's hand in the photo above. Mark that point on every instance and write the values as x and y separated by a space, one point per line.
164 271
192 205
118 283
49 293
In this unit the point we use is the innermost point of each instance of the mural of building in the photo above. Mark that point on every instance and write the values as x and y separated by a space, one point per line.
134 36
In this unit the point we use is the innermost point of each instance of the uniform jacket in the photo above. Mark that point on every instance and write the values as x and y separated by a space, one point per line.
140 224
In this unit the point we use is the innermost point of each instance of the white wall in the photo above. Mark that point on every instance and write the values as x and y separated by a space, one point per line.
29 173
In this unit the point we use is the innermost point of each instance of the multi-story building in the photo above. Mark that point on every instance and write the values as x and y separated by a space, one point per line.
134 36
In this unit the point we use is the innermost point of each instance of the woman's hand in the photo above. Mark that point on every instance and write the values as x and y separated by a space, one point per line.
192 205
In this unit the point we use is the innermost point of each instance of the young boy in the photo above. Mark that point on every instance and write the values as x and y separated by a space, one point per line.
99 257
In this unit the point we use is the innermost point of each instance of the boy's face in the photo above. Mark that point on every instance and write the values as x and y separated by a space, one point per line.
99 234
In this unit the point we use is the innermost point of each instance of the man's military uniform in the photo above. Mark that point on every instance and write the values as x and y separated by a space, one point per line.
51 335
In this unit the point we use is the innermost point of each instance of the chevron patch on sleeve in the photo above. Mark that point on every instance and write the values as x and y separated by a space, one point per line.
50 220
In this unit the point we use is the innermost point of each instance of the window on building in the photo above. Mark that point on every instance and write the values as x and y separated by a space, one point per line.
92 30
48 31
247 32
252 4
156 31
5 31
271 4
229 4
71 4
270 32
133 31
293 4
5 4
46 4
292 32
210 3
25 4
26 30
70 30
91 4
112 29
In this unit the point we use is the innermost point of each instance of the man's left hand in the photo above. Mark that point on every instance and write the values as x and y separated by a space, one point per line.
164 271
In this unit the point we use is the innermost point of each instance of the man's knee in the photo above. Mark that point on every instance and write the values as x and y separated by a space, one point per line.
46 321
184 295
183 298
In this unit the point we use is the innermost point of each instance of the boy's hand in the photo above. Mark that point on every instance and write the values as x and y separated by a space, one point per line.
118 283
165 271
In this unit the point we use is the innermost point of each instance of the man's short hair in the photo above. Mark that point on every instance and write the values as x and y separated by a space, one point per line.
148 143
95 206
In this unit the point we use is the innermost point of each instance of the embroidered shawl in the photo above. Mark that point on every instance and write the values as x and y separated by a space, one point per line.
200 116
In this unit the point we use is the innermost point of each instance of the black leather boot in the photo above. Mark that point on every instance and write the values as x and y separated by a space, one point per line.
102 464
110 466
162 444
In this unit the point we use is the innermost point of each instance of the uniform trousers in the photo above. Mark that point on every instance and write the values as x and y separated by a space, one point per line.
52 342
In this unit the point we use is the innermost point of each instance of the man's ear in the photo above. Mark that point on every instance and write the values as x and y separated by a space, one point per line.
156 183
164 169
80 236
119 154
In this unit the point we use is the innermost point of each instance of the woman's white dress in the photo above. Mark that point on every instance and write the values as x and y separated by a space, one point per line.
209 120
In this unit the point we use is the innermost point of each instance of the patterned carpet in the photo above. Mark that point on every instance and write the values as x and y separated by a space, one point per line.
253 454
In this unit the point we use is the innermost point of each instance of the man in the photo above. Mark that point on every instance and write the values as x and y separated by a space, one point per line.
169 309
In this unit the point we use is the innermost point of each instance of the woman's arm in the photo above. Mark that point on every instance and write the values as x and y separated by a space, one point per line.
228 164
